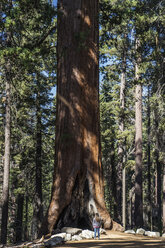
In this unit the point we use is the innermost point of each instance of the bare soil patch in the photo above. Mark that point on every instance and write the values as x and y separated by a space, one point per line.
117 240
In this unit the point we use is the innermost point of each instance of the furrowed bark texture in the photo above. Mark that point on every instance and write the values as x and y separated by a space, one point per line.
77 190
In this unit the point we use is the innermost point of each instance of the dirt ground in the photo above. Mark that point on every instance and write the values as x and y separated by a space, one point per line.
117 240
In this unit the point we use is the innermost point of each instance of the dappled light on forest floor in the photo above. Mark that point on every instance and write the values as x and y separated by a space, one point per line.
118 240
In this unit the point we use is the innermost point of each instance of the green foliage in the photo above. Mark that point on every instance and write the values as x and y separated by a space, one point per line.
120 23
28 44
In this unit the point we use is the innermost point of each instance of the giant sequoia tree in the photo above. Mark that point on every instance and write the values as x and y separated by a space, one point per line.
77 191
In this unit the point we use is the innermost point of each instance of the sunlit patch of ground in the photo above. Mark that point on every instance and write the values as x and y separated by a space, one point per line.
117 240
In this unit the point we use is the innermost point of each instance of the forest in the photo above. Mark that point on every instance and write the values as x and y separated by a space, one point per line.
82 115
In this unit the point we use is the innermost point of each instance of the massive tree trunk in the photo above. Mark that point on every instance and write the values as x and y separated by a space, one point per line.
138 145
77 191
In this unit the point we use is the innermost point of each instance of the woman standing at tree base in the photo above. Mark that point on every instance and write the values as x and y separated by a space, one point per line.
96 225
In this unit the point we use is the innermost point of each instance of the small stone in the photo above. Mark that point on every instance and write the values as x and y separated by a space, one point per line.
71 230
140 231
76 238
152 234
130 231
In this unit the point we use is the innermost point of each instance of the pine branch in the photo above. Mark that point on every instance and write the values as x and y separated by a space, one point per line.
42 39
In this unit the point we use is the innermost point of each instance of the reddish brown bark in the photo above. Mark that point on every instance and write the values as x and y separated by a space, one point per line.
77 190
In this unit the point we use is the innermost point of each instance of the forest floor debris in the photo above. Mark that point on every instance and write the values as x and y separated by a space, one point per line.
115 239
112 239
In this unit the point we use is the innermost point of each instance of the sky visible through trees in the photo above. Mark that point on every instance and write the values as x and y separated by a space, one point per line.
124 135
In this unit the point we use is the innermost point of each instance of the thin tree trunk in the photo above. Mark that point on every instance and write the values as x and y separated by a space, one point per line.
138 146
26 235
164 199
124 197
5 193
77 191
19 218
159 190
149 162
1 186
38 208
131 207
113 184
158 169
120 167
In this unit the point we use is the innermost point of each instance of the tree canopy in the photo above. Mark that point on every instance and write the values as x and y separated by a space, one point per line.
71 76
